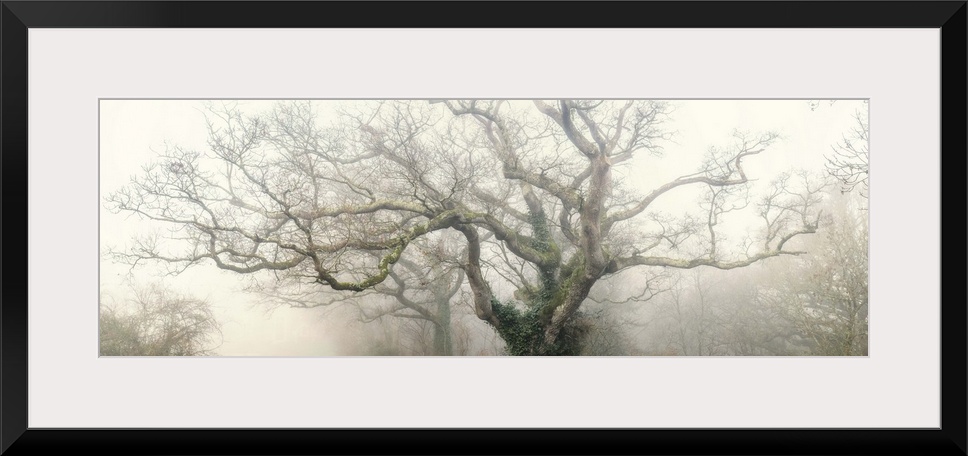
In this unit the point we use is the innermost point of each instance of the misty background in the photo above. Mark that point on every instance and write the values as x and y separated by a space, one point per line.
682 314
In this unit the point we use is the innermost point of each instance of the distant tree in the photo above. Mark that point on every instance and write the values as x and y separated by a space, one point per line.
748 325
687 316
828 297
158 322
424 293
613 314
850 161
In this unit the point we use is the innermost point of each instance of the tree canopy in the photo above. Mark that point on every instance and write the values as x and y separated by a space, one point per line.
542 199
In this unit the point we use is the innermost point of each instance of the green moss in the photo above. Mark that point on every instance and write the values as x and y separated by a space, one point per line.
519 329
540 235
523 332
522 326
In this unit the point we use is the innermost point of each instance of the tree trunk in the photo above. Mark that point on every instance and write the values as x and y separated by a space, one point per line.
443 342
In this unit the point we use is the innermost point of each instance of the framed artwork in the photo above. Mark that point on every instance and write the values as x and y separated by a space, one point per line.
334 199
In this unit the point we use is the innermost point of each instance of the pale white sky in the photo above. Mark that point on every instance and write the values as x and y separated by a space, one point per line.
131 130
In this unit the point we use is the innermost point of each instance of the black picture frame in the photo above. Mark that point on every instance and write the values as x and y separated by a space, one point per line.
17 16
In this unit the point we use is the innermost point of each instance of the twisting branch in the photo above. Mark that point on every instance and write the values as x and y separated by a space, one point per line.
730 173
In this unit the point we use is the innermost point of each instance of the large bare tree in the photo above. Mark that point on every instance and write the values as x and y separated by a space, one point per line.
336 200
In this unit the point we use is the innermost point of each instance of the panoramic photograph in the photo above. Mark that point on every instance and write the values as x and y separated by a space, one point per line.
483 227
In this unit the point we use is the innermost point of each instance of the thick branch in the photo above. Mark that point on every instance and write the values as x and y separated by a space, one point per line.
637 260
479 288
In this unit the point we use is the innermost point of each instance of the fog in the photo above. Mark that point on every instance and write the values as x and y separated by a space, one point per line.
205 182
